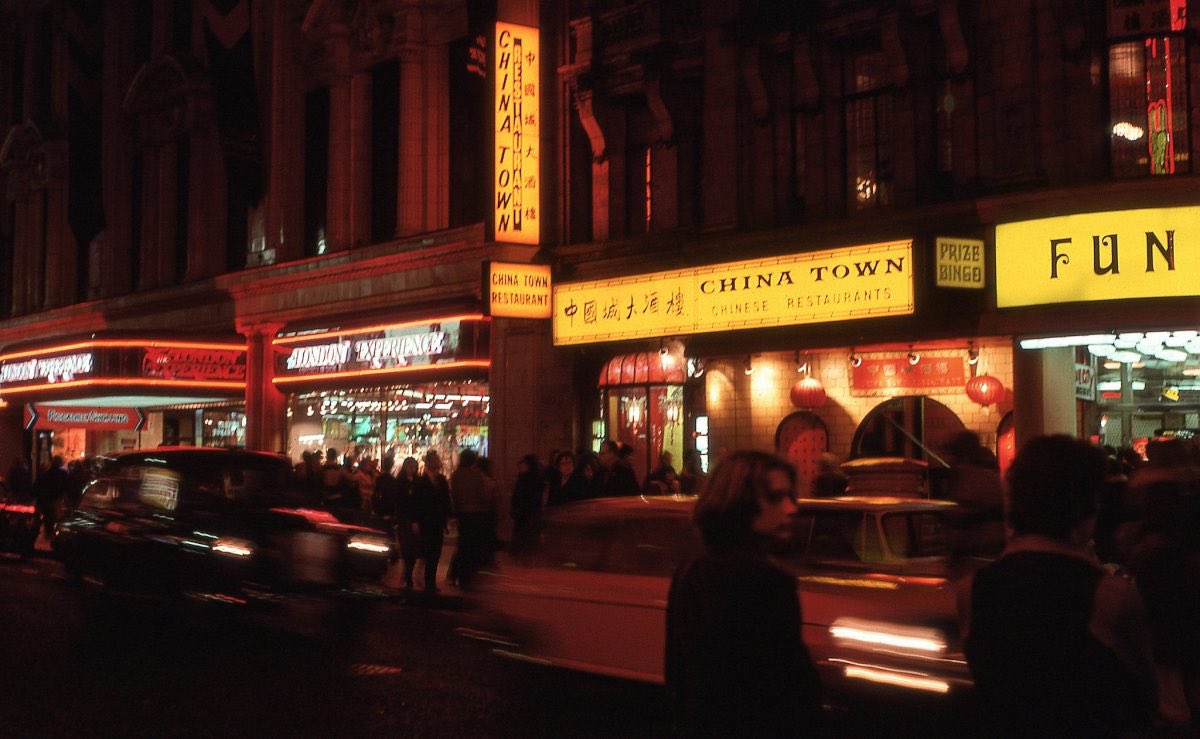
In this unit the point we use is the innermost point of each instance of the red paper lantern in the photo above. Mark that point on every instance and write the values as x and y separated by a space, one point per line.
808 393
985 390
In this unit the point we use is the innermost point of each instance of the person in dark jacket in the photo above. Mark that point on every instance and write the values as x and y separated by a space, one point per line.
407 533
565 481
51 492
431 509
621 479
527 498
1056 645
735 663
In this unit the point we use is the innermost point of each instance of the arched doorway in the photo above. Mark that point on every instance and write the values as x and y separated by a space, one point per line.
801 439
911 426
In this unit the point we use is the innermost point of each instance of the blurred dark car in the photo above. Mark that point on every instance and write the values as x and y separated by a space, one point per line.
589 592
18 523
219 524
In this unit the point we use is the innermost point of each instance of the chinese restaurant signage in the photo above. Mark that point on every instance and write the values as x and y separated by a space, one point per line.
92 418
1148 253
810 287
896 373
960 263
1139 17
128 363
516 290
381 350
517 92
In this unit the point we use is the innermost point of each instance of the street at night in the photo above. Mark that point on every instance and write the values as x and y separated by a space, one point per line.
79 661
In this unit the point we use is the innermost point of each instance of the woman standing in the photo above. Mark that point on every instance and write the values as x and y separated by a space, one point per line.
431 508
406 527
735 664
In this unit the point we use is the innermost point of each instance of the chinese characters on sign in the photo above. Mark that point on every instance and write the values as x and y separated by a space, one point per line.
517 123
811 287
1147 253
895 373
1133 17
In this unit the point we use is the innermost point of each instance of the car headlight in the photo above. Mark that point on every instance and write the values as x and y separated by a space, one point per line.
233 547
882 636
368 543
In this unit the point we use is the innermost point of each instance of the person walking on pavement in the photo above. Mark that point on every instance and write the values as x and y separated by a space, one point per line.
51 491
735 664
475 499
528 495
407 535
431 509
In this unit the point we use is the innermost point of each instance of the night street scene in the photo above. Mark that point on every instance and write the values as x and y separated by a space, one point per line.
599 368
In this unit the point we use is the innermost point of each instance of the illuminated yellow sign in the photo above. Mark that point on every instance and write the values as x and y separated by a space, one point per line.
812 287
516 290
960 263
517 121
1148 253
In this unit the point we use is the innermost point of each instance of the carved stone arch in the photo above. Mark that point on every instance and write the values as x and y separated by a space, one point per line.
23 160
160 102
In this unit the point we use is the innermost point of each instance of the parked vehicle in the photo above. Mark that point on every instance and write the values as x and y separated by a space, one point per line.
590 592
18 523
221 524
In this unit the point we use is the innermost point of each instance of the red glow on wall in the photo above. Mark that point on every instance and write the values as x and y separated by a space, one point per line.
385 372
123 343
336 333
127 382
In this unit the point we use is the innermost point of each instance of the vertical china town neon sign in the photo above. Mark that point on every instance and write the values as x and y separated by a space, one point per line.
517 143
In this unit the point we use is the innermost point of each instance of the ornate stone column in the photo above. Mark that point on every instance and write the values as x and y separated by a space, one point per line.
266 409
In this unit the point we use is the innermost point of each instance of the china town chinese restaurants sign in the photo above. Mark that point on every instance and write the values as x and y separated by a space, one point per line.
1087 257
382 351
133 364
895 372
812 287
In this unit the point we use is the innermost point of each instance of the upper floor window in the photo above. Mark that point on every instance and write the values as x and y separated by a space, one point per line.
868 106
1148 88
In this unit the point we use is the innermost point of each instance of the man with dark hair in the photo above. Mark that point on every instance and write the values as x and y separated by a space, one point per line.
621 479
735 664
1057 646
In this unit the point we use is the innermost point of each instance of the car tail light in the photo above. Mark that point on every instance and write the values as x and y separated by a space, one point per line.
366 543
233 547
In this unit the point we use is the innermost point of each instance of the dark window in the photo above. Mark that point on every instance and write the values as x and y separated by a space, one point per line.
468 161
6 260
580 183
385 145
868 111
43 71
316 169
142 31
181 26
1148 105
182 173
653 547
572 545
915 534
836 536
18 79
135 220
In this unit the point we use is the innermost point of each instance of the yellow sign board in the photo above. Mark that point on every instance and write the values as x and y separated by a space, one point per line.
517 215
1147 253
960 263
811 287
516 290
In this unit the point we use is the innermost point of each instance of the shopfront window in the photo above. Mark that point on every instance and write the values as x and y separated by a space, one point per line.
395 421
1148 90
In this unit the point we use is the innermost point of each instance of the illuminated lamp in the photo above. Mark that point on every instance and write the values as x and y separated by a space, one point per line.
808 393
1101 350
985 390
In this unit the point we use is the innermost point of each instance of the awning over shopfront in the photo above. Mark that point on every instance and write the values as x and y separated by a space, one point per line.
642 368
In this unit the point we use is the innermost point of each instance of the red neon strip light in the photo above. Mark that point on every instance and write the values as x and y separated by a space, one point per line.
381 327
126 382
123 343
477 363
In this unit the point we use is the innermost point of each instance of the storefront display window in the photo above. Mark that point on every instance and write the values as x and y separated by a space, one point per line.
642 400
395 421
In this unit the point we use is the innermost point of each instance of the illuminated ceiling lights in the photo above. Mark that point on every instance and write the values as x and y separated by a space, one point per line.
1128 346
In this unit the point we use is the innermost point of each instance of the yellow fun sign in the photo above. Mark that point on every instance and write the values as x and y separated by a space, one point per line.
517 119
811 287
1147 253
